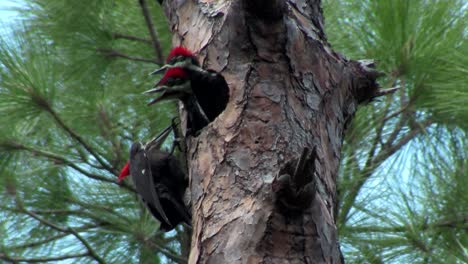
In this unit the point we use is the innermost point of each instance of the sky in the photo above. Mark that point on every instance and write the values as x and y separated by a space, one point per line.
6 14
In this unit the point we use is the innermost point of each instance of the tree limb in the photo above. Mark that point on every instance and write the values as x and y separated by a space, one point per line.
69 230
59 159
384 153
370 156
129 37
382 92
152 32
396 113
99 207
9 258
166 251
114 53
80 140
452 223
50 239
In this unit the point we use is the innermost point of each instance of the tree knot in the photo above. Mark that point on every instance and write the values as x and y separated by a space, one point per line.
294 185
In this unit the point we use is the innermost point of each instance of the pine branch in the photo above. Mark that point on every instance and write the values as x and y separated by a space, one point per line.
99 218
80 140
402 121
387 91
453 223
106 129
396 113
50 239
6 257
38 243
81 212
91 251
378 135
69 230
129 37
384 153
98 207
57 212
59 159
169 253
152 32
114 53
44 104
389 150
397 129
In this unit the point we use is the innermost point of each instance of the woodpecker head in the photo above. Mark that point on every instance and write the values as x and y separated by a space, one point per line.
175 84
154 143
137 146
179 57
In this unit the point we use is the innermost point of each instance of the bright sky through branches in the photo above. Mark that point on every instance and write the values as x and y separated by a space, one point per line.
7 12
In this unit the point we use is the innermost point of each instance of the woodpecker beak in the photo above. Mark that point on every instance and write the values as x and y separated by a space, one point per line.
157 141
185 64
181 64
170 92
160 89
163 68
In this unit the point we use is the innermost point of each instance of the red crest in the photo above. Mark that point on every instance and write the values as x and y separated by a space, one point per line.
179 51
172 73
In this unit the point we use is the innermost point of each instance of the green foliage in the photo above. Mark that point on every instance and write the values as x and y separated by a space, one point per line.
403 164
71 77
418 43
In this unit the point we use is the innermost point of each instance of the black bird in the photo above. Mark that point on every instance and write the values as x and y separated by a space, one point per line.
175 84
159 180
209 87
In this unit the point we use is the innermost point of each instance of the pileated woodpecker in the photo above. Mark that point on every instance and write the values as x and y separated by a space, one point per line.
159 180
209 87
176 84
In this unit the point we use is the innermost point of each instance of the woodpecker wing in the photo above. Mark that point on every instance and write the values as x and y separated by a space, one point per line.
196 118
211 91
181 183
170 185
140 169
209 87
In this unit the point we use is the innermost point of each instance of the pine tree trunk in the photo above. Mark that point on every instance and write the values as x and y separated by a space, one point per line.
289 90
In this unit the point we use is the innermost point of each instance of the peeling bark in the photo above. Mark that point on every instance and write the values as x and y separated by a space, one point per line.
289 90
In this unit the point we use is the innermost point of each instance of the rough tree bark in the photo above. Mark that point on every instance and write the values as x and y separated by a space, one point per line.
289 90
